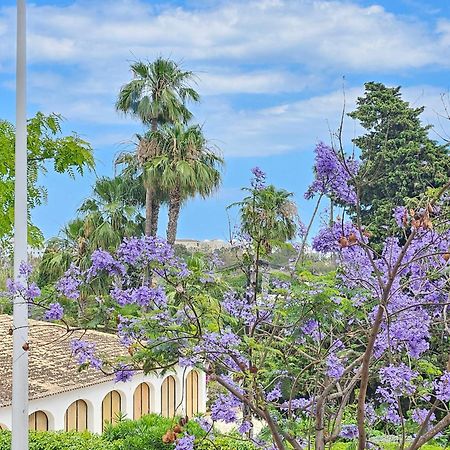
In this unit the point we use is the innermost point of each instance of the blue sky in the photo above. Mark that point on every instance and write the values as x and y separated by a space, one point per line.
270 73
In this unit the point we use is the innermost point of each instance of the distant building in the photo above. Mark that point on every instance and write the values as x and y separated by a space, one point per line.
206 246
64 398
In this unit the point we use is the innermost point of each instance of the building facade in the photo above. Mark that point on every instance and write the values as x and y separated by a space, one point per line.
62 398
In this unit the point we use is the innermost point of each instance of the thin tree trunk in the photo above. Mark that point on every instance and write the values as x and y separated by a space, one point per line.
155 216
174 212
148 210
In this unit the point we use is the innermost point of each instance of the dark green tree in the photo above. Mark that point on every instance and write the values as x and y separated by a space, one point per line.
399 160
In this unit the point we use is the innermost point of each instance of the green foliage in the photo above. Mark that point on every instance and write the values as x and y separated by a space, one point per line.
46 146
148 432
40 440
399 160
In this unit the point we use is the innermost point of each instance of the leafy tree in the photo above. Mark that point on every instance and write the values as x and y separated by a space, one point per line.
183 167
399 160
46 145
157 94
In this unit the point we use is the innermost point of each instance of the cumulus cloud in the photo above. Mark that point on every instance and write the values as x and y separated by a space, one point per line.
286 54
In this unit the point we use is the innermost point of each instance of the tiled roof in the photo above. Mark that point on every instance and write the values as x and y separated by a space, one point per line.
52 369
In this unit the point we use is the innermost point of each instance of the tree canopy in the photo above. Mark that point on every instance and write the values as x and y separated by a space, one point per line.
47 147
399 160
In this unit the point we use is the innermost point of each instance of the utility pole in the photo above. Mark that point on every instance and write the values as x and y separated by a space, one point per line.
20 320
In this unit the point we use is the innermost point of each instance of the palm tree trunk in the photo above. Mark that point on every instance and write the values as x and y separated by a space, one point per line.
149 196
174 212
155 216
148 210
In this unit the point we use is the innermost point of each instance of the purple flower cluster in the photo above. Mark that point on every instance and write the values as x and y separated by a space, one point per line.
244 427
225 408
400 216
349 432
84 353
335 368
69 284
238 307
333 175
419 415
442 387
259 180
55 312
274 394
104 261
185 443
397 380
123 373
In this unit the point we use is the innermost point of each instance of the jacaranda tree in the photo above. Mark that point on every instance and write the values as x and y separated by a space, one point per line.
300 353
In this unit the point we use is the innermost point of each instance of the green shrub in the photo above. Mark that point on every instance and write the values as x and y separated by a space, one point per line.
225 443
146 433
48 440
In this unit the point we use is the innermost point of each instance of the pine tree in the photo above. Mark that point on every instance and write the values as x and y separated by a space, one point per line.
399 160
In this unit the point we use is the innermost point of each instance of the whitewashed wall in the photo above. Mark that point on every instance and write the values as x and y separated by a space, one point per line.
56 405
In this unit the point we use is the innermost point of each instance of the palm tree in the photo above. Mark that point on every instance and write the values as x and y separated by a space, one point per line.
269 216
157 94
71 246
184 165
113 212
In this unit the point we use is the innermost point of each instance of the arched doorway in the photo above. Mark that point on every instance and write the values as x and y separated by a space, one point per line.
38 421
111 407
168 397
192 394
141 401
76 416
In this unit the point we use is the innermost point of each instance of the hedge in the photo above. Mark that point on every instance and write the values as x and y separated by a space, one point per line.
48 440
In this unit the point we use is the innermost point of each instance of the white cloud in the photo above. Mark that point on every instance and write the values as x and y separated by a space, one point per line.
314 33
79 57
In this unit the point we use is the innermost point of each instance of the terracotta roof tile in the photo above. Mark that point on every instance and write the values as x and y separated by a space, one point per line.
52 369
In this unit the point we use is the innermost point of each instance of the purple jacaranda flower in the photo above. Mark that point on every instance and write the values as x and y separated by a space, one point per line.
185 443
442 387
225 408
55 312
335 368
349 432
123 373
333 175
401 216
274 394
84 353
32 291
259 180
244 427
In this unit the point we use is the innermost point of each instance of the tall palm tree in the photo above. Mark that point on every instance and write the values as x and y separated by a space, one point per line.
184 165
157 94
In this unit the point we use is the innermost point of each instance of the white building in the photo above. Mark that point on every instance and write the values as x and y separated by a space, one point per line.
64 398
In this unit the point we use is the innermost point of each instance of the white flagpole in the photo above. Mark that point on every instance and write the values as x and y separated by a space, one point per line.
20 333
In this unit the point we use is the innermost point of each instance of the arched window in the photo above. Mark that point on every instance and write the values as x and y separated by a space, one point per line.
38 421
76 416
141 401
192 394
111 407
168 397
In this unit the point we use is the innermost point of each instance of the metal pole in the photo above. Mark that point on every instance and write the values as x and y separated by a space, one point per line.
20 334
